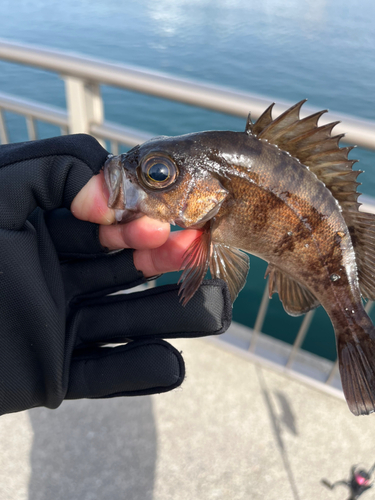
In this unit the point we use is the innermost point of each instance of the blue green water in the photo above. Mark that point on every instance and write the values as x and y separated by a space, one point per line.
292 49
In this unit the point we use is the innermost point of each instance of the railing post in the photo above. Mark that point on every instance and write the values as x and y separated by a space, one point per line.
3 130
333 372
300 337
31 129
84 103
260 318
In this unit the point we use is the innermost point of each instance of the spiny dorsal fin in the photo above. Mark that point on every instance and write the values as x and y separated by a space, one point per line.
315 147
276 127
295 298
263 120
249 125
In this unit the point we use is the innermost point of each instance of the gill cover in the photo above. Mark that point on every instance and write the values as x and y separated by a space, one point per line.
202 201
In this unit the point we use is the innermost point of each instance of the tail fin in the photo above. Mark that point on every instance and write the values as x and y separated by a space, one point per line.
356 352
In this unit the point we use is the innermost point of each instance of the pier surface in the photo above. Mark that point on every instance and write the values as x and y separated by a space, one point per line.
234 430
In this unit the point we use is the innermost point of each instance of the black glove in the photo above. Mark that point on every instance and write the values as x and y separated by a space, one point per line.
55 315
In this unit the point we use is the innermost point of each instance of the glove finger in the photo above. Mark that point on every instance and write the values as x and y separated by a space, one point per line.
85 278
155 313
47 173
73 238
134 369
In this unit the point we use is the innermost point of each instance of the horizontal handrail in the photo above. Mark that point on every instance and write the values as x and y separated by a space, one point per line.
59 117
118 133
357 131
39 111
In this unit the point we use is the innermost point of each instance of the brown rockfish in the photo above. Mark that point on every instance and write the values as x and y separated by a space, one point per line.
282 190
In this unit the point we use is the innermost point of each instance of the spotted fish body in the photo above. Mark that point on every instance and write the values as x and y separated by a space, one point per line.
282 190
301 233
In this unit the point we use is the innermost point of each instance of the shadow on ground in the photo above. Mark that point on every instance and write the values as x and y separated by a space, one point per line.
90 450
287 418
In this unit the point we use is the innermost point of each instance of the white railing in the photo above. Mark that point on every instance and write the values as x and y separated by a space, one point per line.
83 77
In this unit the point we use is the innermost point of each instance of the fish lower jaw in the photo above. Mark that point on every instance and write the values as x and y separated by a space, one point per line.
126 215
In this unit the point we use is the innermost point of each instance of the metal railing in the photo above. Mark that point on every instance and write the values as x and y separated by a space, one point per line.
83 77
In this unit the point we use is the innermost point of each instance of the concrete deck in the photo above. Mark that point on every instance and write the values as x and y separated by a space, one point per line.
233 431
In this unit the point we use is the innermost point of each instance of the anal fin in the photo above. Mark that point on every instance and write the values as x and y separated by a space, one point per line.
295 298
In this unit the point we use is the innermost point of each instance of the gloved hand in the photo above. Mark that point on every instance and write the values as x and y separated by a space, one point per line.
55 277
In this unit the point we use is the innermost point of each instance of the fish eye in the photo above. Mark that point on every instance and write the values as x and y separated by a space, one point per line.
158 171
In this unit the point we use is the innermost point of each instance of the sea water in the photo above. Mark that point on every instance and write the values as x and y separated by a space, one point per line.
323 50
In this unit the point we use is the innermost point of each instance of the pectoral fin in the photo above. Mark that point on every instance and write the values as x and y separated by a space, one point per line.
231 265
195 265
226 263
295 298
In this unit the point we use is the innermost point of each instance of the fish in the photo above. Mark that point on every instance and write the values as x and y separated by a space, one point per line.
283 190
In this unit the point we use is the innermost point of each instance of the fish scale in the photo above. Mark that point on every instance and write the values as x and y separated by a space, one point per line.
283 190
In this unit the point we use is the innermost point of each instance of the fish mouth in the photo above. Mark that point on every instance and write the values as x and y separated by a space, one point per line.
125 195
125 216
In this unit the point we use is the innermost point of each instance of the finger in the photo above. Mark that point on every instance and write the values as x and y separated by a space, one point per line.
100 276
90 204
112 272
141 233
133 369
166 258
157 250
154 313
72 237
120 270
